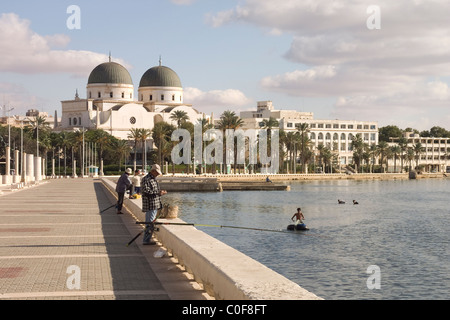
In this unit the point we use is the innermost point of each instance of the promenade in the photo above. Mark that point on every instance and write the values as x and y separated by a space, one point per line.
55 244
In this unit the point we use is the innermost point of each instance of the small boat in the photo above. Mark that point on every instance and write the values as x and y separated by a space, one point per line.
297 227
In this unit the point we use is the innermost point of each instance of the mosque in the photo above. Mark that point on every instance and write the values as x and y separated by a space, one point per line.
111 104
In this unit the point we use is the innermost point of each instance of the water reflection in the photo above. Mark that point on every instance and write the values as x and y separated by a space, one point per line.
401 226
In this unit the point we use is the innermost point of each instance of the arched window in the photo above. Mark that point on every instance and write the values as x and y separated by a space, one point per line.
343 136
328 136
320 136
312 136
335 137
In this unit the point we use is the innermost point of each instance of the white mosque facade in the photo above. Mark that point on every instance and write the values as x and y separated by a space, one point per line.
111 104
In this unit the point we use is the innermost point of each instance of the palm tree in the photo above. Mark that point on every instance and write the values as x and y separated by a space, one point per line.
358 146
395 151
161 134
180 117
403 144
418 149
303 128
144 135
229 120
135 135
383 150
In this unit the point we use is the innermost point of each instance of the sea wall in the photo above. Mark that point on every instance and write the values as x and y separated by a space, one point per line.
224 272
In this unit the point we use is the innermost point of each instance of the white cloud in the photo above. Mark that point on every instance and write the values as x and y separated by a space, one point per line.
18 97
216 100
26 52
374 74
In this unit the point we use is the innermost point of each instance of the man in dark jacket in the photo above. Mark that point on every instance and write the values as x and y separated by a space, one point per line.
123 184
151 201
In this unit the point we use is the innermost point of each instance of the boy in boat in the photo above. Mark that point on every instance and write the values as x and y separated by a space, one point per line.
298 216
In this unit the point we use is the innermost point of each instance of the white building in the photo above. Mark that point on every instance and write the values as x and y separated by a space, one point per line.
434 155
111 104
334 134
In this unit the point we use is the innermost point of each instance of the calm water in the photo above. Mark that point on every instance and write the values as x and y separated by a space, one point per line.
403 227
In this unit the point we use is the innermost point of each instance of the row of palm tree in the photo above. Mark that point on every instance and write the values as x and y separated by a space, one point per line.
296 148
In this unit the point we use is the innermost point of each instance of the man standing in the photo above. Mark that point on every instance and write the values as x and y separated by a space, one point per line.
123 184
151 201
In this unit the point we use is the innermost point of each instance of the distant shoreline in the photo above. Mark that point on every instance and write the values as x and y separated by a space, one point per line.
326 176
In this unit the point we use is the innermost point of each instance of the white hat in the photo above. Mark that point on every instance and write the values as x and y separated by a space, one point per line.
156 168
129 171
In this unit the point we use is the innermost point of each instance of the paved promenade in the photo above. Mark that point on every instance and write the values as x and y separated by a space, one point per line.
55 244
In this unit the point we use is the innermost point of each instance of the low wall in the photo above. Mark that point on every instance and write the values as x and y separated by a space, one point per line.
224 272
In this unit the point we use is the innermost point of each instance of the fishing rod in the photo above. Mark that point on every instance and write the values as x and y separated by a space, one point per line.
108 208
222 226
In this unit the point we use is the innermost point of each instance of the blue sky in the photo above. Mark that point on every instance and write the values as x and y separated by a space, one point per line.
315 56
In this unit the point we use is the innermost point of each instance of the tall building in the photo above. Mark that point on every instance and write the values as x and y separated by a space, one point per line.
111 104
337 135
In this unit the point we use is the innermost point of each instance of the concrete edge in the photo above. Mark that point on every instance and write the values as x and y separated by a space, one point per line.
224 272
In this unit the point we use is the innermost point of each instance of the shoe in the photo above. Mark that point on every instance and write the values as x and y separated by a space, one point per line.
119 212
151 243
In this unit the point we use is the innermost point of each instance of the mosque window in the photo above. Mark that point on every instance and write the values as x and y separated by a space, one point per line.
70 121
90 95
162 97
99 95
111 95
151 97
123 95
142 97
133 120
74 121
173 97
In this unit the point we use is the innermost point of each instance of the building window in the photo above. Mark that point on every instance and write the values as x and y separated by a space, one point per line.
123 95
350 126
335 126
151 97
79 121
70 121
173 97
162 97
373 127
74 121
289 125
328 126
359 127
90 95
99 94
320 125
343 126
133 120
111 95
131 96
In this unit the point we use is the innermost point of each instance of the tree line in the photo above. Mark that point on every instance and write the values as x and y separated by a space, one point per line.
297 151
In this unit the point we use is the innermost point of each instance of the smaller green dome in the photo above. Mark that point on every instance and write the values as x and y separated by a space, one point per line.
110 72
160 76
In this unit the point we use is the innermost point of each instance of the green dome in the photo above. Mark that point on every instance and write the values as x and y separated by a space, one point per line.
160 76
110 72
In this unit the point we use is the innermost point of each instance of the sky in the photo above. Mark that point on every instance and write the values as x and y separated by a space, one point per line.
385 61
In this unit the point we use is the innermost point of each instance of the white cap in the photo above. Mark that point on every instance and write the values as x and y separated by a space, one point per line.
129 171
156 168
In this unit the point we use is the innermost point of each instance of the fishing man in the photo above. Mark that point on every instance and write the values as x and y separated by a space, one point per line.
151 201
298 216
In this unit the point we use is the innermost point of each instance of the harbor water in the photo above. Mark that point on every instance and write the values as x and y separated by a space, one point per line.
400 229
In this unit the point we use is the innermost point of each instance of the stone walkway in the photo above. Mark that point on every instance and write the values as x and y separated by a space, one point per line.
55 244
